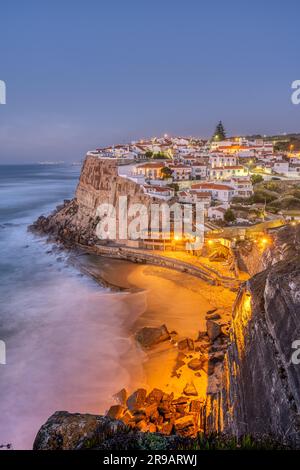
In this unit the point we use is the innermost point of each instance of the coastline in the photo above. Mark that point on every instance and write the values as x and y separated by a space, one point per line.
163 296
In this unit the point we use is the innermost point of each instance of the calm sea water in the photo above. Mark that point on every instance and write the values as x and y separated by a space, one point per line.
65 342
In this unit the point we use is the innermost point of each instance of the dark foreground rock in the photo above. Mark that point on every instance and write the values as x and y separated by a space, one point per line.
72 431
150 336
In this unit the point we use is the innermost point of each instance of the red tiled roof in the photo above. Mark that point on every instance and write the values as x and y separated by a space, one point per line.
151 165
234 167
216 186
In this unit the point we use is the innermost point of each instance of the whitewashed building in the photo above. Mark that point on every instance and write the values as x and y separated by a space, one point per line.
221 192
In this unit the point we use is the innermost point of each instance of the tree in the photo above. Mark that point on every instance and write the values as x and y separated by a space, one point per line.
229 216
175 186
159 156
148 154
166 172
220 133
256 179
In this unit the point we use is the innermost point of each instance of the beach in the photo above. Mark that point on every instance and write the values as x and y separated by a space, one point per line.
165 297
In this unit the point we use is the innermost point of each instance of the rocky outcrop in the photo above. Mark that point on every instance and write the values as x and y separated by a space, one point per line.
73 431
283 243
76 220
261 384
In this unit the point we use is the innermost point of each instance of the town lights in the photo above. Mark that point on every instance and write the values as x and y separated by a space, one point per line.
264 242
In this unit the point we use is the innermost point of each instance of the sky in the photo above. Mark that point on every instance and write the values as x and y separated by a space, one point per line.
81 74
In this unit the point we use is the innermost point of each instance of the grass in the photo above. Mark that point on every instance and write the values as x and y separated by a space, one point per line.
128 439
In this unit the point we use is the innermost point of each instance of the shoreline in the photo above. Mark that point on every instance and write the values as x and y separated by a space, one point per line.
164 296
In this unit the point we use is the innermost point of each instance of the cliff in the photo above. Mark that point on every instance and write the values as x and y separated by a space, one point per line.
99 183
261 391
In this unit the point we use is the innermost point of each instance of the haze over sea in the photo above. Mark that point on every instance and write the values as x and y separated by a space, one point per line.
64 334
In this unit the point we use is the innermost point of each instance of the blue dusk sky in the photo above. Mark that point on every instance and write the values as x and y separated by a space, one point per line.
82 74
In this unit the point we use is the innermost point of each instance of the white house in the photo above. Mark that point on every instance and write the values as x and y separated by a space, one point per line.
221 192
216 213
199 171
228 172
162 192
181 172
242 187
221 160
281 167
192 197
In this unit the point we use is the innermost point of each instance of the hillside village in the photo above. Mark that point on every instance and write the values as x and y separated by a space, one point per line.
238 180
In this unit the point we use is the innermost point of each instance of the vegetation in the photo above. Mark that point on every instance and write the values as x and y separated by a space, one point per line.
129 440
220 133
160 155
229 216
256 179
166 172
175 186
148 154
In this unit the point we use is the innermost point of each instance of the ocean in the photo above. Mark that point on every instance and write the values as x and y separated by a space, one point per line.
66 345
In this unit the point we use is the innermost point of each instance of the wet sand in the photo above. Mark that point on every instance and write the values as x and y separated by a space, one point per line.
164 296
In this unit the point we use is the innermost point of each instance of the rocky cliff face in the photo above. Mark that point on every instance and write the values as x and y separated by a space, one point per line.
253 257
261 391
99 183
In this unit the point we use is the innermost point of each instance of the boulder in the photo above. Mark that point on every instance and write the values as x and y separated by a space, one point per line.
150 410
127 418
67 431
150 336
195 406
151 427
186 344
213 310
202 336
155 396
190 389
185 426
137 399
166 428
121 397
195 364
180 401
213 329
116 411
142 426
213 316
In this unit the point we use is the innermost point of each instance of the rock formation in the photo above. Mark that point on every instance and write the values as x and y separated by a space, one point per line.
261 392
76 220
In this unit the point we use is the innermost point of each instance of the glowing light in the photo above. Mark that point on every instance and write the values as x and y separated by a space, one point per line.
210 242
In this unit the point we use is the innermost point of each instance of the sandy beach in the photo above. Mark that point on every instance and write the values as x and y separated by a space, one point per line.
163 296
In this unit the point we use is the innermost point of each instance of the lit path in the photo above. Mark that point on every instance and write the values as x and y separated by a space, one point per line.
218 274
